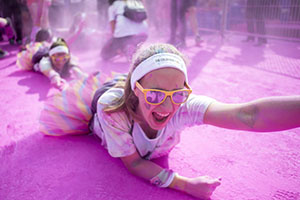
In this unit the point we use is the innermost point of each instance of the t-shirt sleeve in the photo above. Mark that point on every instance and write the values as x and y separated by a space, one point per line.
117 8
45 67
112 12
192 112
115 127
119 142
111 15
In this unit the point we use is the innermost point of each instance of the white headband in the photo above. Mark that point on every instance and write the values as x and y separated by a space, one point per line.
59 49
158 61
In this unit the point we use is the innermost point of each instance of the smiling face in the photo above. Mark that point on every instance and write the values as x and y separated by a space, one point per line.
60 59
155 117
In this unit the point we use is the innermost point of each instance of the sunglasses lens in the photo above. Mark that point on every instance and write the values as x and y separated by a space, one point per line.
180 96
60 58
155 96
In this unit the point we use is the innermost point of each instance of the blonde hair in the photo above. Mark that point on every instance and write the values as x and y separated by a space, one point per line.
129 101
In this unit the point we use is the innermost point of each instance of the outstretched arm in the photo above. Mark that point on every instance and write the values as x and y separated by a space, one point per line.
266 114
45 67
201 187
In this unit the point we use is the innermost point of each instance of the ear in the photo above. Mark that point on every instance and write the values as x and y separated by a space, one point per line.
135 91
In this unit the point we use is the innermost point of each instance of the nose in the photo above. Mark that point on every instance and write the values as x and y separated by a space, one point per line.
167 104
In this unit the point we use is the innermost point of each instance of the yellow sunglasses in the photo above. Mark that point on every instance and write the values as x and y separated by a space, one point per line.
60 58
156 97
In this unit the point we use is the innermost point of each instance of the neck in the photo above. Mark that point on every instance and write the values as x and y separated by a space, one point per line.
151 133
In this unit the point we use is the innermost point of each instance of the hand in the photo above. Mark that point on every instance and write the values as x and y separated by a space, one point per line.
59 82
64 84
55 80
201 187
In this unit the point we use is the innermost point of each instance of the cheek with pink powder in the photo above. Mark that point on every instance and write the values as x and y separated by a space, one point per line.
147 106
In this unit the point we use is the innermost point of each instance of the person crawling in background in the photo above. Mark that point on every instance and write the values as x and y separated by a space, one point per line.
41 44
53 61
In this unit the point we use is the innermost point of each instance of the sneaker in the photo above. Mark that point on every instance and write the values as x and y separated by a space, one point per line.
3 53
249 39
19 42
11 41
198 40
10 31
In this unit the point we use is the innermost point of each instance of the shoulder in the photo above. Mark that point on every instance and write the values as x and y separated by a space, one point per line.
118 120
45 64
191 112
45 60
198 100
110 96
197 104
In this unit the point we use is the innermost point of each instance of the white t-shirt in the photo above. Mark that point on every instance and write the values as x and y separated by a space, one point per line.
124 27
121 139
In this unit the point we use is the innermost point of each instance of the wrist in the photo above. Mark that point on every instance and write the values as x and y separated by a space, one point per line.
179 183
54 77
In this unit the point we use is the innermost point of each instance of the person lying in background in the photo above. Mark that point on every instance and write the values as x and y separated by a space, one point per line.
54 61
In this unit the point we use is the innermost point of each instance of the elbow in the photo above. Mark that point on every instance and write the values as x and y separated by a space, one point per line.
133 165
248 117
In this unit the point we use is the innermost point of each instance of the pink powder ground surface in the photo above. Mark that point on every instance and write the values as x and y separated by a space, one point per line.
253 166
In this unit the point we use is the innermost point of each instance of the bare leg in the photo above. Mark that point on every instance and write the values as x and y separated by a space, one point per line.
33 9
33 12
44 19
192 17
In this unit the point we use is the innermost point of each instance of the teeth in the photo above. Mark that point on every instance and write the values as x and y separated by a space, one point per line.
163 115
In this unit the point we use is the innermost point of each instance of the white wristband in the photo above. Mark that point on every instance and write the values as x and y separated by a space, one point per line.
169 180
164 178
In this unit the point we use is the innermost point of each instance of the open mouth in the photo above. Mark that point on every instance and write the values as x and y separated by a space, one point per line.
160 117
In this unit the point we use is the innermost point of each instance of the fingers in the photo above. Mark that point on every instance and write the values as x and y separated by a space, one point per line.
214 183
217 182
64 85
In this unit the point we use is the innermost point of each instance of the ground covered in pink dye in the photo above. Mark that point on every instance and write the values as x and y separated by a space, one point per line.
254 166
